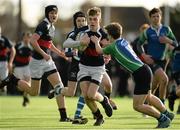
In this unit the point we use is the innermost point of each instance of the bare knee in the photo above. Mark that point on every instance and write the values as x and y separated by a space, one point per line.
71 93
91 96
108 88
164 79
66 91
136 107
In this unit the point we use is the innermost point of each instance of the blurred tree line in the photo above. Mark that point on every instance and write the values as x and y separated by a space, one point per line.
11 22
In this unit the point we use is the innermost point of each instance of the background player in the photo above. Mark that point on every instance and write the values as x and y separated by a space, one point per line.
6 63
21 61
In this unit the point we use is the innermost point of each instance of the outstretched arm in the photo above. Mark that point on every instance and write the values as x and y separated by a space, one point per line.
58 52
70 43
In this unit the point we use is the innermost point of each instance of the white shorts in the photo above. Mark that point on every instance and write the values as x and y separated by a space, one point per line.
22 72
39 67
3 70
96 73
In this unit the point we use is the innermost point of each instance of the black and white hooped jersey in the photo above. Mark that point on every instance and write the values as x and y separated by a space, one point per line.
23 54
89 56
5 44
69 50
46 31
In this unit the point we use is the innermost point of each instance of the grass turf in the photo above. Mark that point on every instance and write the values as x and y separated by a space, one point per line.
42 114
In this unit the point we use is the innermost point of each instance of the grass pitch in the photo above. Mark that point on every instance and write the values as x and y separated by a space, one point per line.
42 114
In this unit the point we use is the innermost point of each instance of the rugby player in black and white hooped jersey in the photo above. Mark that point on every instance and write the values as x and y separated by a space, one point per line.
5 64
42 63
91 64
79 20
21 61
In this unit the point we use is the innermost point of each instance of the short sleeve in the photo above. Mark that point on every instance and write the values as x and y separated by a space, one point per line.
107 50
8 43
41 29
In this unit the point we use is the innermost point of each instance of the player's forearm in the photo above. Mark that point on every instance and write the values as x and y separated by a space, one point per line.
98 48
174 43
35 37
57 51
12 55
171 42
173 39
70 43
37 47
140 49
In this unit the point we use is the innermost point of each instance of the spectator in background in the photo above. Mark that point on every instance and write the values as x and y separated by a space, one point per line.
175 93
142 28
6 62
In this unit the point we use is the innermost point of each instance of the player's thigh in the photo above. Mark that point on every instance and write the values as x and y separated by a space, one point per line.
54 78
84 85
72 85
161 75
106 81
92 90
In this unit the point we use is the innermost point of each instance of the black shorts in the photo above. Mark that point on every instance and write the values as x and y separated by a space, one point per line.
176 77
143 80
73 70
158 64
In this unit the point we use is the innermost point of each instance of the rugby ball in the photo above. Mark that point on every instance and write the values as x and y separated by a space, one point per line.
81 47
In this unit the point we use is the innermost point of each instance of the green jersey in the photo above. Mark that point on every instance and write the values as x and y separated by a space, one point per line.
124 54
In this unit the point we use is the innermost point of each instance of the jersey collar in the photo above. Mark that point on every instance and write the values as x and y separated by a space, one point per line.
157 30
